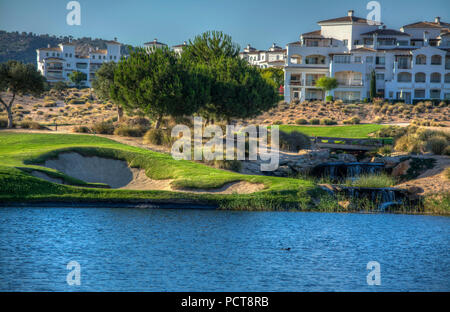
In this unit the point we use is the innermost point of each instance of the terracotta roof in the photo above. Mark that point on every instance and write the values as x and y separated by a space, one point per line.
385 32
425 24
313 34
112 42
99 51
154 42
348 19
296 42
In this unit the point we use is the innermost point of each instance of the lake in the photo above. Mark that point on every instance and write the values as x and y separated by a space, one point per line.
133 249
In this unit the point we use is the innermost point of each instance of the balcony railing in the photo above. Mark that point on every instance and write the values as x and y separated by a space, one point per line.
53 67
351 83
296 82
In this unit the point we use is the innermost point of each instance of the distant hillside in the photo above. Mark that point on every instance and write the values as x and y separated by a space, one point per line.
22 46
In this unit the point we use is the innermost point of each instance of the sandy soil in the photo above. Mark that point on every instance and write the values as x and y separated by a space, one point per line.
118 175
432 181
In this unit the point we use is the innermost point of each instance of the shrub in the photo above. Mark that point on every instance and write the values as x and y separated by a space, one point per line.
437 145
232 165
377 120
315 121
294 141
446 151
103 127
329 98
125 130
277 123
327 122
31 125
301 121
375 180
139 121
76 102
81 129
3 122
385 150
352 121
158 137
50 103
447 173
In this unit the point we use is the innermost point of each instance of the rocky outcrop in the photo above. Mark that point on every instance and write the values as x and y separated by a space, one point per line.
303 162
402 168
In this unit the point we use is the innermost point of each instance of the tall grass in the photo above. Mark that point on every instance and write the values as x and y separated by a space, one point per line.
372 180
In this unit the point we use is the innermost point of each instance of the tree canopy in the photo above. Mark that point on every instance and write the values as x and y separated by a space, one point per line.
77 78
18 79
158 84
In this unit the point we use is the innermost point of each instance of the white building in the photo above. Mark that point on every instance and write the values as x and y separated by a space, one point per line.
410 64
275 56
178 49
152 45
58 62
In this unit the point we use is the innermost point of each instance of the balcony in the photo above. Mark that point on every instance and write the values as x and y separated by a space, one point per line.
55 67
296 83
350 83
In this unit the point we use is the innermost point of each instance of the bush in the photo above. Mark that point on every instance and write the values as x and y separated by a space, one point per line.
50 103
315 121
76 102
352 121
125 130
327 122
3 122
437 145
377 120
447 173
446 151
385 150
158 137
277 123
139 121
31 125
294 141
232 165
301 121
329 98
103 127
371 181
81 129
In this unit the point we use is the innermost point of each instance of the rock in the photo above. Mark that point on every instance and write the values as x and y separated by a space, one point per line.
347 158
346 204
390 162
414 190
401 168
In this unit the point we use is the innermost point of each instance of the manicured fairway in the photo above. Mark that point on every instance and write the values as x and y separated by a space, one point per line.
21 153
352 131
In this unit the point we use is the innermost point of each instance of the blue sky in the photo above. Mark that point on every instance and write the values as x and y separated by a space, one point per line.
173 21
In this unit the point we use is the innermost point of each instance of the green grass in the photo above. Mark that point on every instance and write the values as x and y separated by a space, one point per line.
353 131
372 181
22 153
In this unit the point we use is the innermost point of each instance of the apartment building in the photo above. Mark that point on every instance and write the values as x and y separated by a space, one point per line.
56 63
275 56
410 64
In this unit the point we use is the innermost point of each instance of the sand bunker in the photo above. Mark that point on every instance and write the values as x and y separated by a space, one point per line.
117 174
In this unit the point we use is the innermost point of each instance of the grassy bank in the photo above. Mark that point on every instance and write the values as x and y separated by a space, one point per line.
352 131
21 153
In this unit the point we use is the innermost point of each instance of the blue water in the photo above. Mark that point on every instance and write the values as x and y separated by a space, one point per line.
194 250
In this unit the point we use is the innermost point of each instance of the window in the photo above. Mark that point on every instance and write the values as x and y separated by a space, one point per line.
419 93
402 42
115 57
380 76
345 42
93 57
66 54
110 57
435 78
391 94
46 54
404 77
380 60
421 59
435 93
436 60
342 59
420 77
70 55
369 59
356 42
358 59
447 78
104 57
447 96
